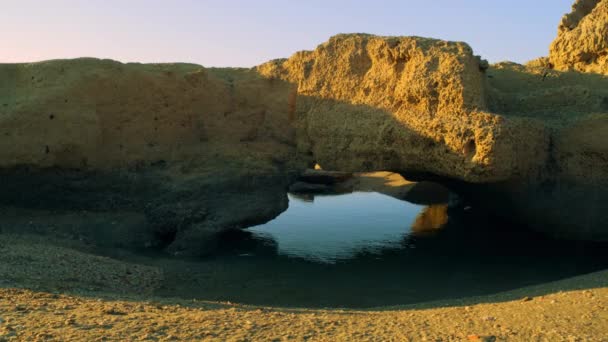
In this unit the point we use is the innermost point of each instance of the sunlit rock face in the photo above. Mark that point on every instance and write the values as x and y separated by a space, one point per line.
99 114
582 41
508 137
404 103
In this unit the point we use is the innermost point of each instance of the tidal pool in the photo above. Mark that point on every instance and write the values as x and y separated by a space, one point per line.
329 229
364 250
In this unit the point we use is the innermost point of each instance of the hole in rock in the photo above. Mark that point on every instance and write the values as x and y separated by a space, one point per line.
470 148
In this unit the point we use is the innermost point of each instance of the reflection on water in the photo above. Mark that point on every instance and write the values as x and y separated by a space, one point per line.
365 249
333 228
430 219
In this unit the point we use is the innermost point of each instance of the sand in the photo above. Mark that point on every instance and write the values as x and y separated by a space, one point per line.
106 299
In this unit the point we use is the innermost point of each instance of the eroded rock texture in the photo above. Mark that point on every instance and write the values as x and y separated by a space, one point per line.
517 140
101 114
582 41
188 152
404 104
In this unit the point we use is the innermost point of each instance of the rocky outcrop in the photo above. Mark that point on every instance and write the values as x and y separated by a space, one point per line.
582 41
100 114
171 141
507 137
404 104
197 151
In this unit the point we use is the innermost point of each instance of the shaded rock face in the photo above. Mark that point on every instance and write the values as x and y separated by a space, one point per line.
568 195
582 41
195 150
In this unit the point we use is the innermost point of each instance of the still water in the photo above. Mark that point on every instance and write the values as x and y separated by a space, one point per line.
329 229
366 250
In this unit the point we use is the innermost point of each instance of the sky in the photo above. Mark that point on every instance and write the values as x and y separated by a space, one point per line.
245 33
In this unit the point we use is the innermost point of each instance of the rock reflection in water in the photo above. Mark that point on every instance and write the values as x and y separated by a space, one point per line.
430 219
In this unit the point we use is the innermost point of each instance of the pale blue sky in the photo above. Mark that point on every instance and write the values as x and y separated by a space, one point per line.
247 33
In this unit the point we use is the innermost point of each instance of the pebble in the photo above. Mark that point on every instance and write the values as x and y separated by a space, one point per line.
481 338
526 299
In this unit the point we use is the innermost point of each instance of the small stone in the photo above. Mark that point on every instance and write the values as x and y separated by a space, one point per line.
489 318
478 338
526 299
114 312
20 308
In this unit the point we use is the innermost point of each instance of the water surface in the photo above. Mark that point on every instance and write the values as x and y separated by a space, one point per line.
366 250
337 228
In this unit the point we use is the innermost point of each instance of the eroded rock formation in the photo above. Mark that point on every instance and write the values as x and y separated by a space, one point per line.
512 138
404 104
197 151
183 144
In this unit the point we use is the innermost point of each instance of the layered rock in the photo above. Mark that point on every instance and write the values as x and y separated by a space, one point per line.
582 41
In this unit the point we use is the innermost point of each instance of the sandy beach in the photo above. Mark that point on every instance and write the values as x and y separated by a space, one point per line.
59 291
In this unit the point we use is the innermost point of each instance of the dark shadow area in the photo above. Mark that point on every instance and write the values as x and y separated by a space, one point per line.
545 94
